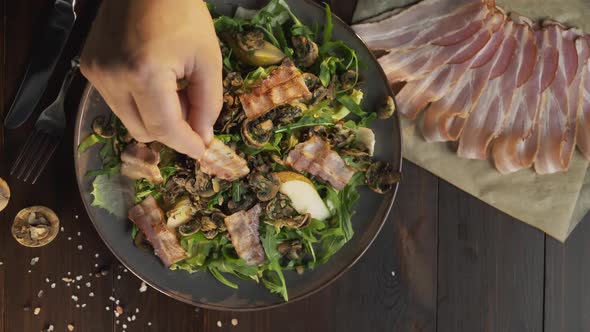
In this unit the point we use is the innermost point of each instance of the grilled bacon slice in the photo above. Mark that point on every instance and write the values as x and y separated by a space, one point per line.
284 84
149 217
221 161
140 161
315 157
242 227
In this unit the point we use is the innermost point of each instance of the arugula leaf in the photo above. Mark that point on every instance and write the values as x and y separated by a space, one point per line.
215 272
226 23
90 141
227 138
236 191
273 277
328 26
327 70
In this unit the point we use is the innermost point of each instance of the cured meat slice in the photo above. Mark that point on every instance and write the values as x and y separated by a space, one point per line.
583 134
415 64
141 162
554 116
221 161
284 84
488 117
517 146
444 119
416 95
315 157
149 217
242 227
448 21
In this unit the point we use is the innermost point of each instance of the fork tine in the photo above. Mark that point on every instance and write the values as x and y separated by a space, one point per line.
52 147
29 154
24 151
39 155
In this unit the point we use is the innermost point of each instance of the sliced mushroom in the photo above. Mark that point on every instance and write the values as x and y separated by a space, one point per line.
381 177
292 249
35 226
280 207
251 48
4 194
295 222
182 212
246 202
266 186
348 79
366 137
102 127
257 134
202 185
311 81
191 227
306 51
387 109
287 114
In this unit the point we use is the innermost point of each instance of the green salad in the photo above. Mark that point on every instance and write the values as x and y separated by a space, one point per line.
292 112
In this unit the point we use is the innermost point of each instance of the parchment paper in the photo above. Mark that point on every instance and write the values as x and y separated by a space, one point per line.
552 203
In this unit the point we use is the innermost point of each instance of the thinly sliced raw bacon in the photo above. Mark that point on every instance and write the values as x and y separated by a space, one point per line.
221 161
242 227
583 134
445 118
415 64
554 119
447 21
488 117
149 217
315 157
416 95
140 161
517 147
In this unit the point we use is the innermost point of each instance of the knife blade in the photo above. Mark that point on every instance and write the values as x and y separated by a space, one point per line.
44 55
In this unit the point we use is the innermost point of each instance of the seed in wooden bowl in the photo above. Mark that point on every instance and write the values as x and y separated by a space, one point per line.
35 226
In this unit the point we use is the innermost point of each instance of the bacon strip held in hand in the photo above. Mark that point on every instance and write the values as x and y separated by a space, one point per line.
141 162
315 157
583 135
149 217
221 161
284 84
242 227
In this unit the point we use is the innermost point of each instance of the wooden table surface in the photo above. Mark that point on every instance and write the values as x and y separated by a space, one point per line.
444 261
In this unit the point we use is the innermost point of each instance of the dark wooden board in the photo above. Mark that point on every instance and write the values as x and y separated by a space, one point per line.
567 273
490 268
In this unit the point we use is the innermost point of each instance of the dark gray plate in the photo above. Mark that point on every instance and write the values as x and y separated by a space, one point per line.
202 289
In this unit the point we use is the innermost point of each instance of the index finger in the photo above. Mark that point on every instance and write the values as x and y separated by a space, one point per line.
160 110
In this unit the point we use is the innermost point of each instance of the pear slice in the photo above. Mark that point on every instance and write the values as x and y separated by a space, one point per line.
303 195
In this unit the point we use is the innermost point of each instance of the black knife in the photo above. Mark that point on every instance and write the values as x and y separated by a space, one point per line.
44 55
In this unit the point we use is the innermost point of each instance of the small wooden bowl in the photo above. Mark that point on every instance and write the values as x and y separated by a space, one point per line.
35 232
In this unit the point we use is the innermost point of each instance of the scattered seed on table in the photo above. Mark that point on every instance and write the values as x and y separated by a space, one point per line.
77 286
53 285
91 294
69 238
393 273
40 294
104 272
119 309
149 323
125 271
83 305
143 287
50 328
112 299
117 302
69 273
136 310
124 326
29 271
133 317
76 217
78 233
37 311
219 323
70 327
78 278
77 306
96 255
34 260
107 308
88 284
118 277
117 322
128 319
234 322
47 280
75 298
80 247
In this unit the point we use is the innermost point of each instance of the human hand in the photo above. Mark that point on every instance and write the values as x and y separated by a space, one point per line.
134 55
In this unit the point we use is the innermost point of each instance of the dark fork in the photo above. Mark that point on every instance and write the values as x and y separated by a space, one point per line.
49 130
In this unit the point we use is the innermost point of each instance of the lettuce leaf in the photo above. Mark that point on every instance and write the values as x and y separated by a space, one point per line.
113 193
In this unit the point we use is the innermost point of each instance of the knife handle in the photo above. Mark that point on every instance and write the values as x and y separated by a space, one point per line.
44 56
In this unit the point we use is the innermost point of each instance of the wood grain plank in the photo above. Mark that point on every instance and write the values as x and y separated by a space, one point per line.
393 287
491 268
567 294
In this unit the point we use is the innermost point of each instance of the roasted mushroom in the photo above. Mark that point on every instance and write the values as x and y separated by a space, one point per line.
381 177
266 186
4 194
102 127
247 200
35 226
233 81
306 51
292 249
256 134
295 222
387 109
348 79
181 213
311 81
191 227
251 48
280 208
287 114
202 185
